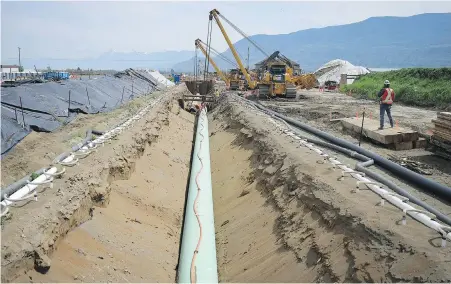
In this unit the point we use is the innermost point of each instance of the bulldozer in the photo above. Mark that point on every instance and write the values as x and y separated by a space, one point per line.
237 80
276 82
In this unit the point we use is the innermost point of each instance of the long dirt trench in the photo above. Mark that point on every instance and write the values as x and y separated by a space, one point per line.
280 216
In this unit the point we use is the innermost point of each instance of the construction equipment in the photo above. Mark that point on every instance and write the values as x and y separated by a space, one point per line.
276 82
277 79
252 84
293 71
277 76
305 81
238 80
234 79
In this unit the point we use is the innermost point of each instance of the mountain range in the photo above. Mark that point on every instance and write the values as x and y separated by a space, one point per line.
386 42
381 42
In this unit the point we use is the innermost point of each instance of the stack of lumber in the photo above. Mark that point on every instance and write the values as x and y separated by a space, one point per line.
442 126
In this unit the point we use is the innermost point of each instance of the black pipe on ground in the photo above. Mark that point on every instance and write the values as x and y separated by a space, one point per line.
362 167
423 183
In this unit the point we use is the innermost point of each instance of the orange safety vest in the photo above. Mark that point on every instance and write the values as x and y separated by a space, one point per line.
388 96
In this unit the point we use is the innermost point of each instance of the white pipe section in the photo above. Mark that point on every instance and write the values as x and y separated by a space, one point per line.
197 262
421 216
29 188
71 160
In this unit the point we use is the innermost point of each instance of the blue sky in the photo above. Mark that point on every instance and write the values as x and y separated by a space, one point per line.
87 29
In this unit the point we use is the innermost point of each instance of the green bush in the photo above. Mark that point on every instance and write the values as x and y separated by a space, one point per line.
429 87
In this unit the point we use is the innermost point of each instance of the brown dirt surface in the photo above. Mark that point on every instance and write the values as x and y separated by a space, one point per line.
283 217
280 215
316 108
116 216
38 150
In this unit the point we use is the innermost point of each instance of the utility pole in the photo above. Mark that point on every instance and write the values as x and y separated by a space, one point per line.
195 67
248 58
19 58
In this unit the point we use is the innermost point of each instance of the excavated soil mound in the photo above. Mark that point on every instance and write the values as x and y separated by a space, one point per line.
283 217
115 217
280 215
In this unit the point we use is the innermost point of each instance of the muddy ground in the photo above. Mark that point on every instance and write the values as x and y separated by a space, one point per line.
280 216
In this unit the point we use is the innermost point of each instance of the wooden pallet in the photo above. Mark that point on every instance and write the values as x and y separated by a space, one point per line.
397 138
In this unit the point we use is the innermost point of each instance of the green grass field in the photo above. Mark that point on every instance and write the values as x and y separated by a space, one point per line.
428 87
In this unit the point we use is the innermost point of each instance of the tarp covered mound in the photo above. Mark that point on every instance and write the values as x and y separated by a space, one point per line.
332 70
162 80
46 105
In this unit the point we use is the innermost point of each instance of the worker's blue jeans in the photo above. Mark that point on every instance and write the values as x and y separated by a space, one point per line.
385 108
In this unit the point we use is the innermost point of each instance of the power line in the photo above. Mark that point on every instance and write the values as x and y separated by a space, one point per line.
244 35
220 55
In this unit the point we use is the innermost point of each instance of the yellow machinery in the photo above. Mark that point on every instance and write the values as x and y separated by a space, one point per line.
293 77
277 79
251 84
305 81
277 76
237 80
199 44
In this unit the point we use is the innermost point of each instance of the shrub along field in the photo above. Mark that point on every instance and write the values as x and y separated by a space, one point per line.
428 87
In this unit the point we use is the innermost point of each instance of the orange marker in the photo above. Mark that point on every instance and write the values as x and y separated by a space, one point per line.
356 115
371 115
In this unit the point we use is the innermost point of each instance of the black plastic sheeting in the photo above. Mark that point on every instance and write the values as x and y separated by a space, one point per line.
46 105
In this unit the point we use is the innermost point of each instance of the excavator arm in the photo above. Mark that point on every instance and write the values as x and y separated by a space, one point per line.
215 14
199 45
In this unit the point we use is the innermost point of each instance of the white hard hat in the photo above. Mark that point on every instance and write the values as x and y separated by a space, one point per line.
387 82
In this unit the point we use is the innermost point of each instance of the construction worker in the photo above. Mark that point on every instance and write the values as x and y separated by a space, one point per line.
387 96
